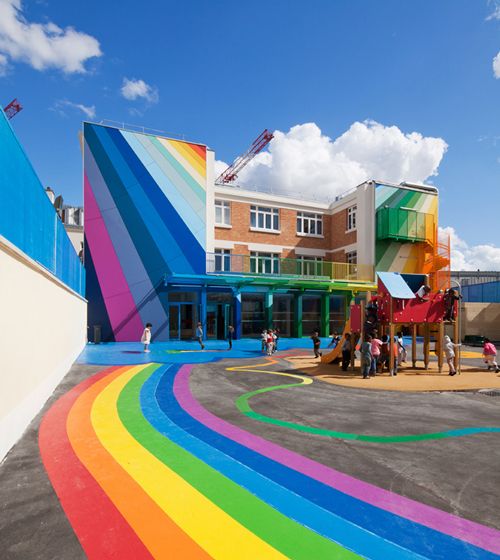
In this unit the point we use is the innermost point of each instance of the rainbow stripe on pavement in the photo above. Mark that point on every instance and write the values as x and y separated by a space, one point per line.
143 470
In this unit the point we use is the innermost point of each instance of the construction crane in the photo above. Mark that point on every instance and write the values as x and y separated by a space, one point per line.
12 108
231 173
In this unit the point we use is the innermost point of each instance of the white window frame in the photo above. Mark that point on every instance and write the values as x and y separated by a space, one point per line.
308 264
264 263
309 224
264 218
351 257
222 213
351 218
222 260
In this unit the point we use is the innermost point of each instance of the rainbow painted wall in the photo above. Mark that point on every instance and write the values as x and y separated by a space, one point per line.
145 216
406 222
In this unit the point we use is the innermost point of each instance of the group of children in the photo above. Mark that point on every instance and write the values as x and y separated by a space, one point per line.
269 340
375 354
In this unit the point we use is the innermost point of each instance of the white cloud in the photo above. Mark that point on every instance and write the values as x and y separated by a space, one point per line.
45 45
305 162
495 14
496 66
3 65
466 257
135 89
88 110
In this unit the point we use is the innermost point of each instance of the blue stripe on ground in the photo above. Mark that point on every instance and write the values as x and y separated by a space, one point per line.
401 531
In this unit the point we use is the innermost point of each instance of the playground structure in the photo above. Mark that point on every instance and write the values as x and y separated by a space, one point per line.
394 307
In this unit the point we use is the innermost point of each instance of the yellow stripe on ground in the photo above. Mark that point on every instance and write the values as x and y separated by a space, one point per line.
208 525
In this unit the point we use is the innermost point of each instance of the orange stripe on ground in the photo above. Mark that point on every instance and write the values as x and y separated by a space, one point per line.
162 537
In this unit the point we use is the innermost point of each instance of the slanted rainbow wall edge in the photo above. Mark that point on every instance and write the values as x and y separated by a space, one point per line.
145 216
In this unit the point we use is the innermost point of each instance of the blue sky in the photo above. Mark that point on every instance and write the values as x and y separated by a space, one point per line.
221 71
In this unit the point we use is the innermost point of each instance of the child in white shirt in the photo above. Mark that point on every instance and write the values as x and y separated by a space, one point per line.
146 337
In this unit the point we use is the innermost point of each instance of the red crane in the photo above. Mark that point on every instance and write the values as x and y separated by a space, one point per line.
231 173
12 108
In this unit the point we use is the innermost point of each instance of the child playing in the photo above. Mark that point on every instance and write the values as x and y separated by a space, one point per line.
423 292
346 352
366 357
269 342
335 340
263 340
449 352
376 343
316 344
401 349
146 337
490 355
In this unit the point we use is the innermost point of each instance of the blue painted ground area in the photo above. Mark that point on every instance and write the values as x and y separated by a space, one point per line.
181 352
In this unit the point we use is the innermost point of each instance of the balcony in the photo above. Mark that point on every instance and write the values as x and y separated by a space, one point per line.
405 224
298 269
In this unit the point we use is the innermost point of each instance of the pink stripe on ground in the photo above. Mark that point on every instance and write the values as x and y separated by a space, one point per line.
447 523
123 315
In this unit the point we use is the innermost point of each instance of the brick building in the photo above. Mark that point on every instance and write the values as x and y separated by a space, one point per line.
165 244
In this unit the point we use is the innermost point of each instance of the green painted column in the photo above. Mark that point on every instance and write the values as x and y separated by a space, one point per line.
325 315
268 303
298 316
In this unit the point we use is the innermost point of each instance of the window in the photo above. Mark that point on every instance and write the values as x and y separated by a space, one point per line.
222 260
264 263
351 218
309 224
311 266
264 218
222 213
351 257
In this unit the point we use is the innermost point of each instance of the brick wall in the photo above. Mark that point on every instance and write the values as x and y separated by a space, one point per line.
334 233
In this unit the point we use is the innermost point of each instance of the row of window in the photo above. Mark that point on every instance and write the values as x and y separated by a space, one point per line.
268 219
269 263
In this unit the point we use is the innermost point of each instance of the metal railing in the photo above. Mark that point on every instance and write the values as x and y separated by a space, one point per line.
302 269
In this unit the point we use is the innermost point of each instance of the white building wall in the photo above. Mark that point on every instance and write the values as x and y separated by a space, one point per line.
42 331
365 223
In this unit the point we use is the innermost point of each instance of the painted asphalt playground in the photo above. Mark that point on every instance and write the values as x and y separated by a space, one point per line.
199 456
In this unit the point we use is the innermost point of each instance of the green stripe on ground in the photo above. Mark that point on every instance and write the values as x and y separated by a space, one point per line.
243 405
290 538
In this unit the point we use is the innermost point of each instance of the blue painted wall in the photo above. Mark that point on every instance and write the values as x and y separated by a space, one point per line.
489 292
27 218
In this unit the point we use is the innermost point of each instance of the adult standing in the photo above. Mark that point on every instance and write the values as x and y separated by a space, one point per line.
346 352
199 335
230 335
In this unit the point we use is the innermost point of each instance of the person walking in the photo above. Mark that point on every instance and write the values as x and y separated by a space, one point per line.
366 357
316 344
449 352
230 335
490 355
346 352
199 335
146 337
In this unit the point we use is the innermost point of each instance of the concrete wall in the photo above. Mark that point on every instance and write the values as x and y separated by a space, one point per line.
481 319
42 331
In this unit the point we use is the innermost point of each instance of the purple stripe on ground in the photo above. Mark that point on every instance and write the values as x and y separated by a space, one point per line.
141 288
447 523
123 316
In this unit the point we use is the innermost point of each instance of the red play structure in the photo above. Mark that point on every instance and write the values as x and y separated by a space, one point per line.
396 305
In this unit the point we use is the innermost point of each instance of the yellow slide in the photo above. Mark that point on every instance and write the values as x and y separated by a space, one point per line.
336 352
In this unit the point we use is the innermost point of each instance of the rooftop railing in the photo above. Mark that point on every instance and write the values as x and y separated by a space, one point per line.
274 266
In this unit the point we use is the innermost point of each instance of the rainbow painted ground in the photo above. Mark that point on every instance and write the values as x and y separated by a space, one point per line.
143 469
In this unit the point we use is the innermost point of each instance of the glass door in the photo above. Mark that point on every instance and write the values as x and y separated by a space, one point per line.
212 320
187 320
173 321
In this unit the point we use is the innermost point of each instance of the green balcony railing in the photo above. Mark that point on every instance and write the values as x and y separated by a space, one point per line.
405 224
260 265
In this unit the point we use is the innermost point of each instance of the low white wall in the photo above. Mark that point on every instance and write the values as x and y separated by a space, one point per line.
42 331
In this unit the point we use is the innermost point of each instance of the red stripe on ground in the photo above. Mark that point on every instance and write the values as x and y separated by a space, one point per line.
99 526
